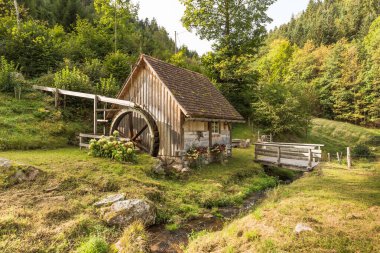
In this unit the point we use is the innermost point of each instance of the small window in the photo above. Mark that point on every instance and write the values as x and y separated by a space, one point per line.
215 127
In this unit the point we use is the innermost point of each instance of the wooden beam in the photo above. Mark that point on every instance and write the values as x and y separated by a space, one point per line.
86 95
95 115
209 134
139 132
130 121
215 120
56 98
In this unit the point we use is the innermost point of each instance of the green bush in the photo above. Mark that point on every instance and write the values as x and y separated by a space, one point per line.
108 86
72 79
118 64
113 148
362 151
7 75
93 245
94 69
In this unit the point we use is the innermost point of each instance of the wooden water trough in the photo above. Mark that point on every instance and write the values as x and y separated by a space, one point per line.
294 156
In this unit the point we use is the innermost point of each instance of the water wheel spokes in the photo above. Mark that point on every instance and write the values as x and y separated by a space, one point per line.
141 128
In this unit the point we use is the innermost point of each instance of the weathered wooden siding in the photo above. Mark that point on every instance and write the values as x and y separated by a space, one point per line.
146 90
196 133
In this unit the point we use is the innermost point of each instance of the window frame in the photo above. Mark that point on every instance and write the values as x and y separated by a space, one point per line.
215 127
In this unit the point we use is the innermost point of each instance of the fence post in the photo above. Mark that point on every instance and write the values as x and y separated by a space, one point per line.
348 158
310 158
328 157
278 155
338 157
255 151
270 137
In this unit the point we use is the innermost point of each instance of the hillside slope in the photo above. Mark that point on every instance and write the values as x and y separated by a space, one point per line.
33 122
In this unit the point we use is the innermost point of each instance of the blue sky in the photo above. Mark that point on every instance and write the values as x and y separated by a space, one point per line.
169 12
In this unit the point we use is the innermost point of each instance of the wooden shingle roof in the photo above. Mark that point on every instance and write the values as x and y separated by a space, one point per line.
194 92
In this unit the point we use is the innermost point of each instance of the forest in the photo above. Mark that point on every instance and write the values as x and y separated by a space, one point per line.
324 63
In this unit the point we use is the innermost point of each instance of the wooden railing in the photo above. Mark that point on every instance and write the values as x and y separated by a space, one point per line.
289 155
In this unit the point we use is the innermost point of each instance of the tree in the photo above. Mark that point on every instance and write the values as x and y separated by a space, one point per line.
238 26
237 29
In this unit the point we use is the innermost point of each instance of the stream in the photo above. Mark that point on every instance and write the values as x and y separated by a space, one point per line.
165 241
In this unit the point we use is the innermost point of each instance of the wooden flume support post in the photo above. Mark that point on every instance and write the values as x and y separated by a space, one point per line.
278 155
348 158
95 114
56 97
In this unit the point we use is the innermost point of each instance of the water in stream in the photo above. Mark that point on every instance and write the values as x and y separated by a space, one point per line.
164 241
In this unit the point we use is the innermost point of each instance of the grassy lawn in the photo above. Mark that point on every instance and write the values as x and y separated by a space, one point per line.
341 206
32 219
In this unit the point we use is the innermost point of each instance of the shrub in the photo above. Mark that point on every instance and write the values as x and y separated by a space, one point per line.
134 239
7 75
93 245
362 151
94 69
72 79
113 148
108 86
118 64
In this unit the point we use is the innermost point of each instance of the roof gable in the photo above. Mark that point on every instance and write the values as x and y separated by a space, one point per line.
196 95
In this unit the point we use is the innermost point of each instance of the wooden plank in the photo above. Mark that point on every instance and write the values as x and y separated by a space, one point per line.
214 120
86 95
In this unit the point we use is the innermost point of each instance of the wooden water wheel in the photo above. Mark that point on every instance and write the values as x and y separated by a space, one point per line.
140 127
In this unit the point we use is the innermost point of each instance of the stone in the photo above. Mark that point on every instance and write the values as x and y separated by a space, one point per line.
26 173
302 228
177 167
110 200
5 163
158 167
123 213
185 170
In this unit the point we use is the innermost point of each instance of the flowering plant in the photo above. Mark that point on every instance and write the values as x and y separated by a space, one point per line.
113 148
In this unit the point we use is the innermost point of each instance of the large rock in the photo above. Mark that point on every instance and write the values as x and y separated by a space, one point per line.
123 213
13 173
110 200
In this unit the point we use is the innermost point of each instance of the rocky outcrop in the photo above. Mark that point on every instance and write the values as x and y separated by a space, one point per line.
13 173
123 213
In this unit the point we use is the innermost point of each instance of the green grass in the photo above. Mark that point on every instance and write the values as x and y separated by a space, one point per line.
341 206
33 122
338 135
65 217
243 131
